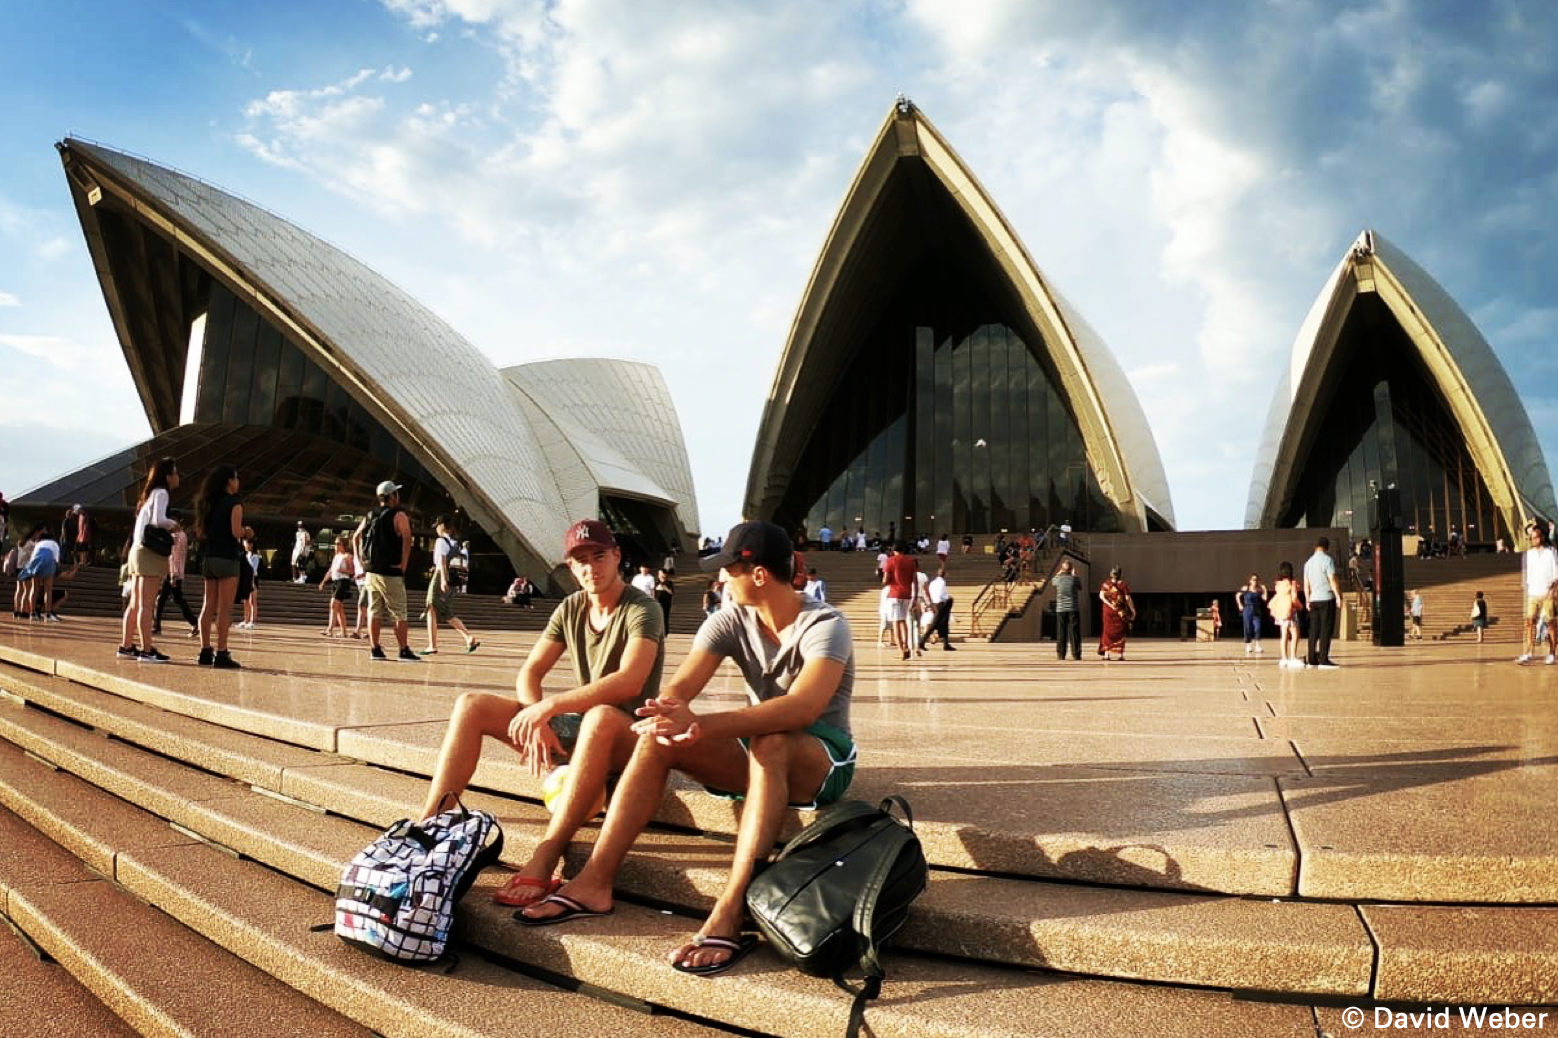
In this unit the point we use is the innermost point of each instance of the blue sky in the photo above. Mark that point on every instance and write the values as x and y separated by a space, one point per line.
654 180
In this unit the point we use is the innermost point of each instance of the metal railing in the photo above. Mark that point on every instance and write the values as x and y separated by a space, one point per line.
997 596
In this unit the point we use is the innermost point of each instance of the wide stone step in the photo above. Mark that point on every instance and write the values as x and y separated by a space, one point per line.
247 908
1211 941
158 977
1040 822
223 931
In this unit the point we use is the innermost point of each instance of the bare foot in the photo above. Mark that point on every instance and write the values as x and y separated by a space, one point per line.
590 898
725 922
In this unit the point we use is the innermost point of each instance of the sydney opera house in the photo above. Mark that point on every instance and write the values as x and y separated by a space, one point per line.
933 379
318 378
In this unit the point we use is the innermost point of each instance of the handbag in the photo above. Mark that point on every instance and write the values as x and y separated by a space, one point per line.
839 890
157 540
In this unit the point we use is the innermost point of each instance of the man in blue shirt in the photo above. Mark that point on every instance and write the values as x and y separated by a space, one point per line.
1322 594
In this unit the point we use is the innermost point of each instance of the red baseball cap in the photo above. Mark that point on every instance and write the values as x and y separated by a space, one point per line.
588 533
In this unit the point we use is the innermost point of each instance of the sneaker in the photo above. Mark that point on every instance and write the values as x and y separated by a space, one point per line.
206 658
1248 648
377 654
1524 657
1550 658
153 656
225 662
54 618
127 652
407 656
1258 649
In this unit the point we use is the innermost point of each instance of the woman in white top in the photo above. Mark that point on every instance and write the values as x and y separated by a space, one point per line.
147 568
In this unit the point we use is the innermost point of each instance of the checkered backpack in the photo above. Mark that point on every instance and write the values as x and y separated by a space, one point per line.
397 896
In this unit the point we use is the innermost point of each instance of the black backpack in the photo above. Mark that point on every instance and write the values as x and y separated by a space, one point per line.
380 543
839 890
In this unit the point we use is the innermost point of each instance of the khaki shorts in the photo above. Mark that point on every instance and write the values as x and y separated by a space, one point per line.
386 597
440 603
1539 607
146 563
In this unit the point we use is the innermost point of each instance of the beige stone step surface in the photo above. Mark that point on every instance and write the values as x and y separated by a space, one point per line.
158 976
223 900
1353 812
42 998
1220 942
214 894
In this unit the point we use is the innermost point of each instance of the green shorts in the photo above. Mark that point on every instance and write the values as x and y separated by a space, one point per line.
840 747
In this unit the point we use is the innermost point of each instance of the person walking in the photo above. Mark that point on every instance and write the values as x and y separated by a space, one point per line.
941 601
440 590
1068 612
1479 616
1118 613
219 525
302 552
1415 610
173 583
1284 608
1252 602
341 578
1539 570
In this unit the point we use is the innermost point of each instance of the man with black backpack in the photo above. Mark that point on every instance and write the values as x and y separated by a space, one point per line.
383 543
791 745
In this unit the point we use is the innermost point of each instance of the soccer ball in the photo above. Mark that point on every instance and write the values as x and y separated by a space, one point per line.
558 785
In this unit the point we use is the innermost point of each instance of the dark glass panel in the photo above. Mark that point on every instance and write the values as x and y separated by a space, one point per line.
267 370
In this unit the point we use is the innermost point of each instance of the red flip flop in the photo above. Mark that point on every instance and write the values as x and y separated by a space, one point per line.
523 891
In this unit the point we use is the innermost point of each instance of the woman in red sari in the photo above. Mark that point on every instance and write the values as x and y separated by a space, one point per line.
1119 611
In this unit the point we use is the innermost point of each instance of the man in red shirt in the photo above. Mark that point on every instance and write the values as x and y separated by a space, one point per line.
900 575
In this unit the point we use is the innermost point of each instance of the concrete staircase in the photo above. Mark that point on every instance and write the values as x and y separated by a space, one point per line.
1450 585
167 843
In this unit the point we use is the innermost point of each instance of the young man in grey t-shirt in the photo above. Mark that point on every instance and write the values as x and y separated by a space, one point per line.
616 637
790 745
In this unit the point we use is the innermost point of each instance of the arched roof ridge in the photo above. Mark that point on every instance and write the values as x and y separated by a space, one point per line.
1119 442
1462 364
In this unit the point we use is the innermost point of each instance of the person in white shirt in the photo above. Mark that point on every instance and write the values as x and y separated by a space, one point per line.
147 567
936 594
302 549
816 587
1539 567
645 580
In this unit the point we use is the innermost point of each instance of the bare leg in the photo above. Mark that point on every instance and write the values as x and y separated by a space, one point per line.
141 598
721 763
476 714
402 634
606 742
780 762
459 625
432 629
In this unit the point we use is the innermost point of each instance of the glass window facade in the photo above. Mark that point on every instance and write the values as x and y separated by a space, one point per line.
1386 422
948 418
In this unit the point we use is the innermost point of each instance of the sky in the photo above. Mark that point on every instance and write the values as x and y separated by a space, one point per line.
653 180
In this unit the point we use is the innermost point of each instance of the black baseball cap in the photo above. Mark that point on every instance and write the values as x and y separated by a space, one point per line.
756 543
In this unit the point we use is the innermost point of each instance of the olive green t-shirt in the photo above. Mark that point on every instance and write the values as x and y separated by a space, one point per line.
598 653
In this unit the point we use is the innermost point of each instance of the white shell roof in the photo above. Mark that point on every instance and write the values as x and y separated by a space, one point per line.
1482 383
468 425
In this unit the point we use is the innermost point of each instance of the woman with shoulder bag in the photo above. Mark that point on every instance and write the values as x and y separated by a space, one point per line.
150 546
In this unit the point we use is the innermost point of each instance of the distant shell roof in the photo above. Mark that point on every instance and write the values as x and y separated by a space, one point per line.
458 414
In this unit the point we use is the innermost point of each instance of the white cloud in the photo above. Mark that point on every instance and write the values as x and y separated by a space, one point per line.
9 299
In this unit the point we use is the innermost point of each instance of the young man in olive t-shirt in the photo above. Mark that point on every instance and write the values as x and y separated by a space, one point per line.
615 635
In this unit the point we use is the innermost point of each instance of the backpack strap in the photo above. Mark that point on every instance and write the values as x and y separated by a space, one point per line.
835 818
898 837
